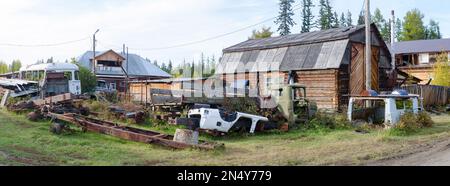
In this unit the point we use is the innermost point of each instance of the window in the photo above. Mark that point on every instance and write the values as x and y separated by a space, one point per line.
77 75
112 86
424 58
68 75
268 82
41 75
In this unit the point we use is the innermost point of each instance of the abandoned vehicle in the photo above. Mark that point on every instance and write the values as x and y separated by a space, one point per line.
53 78
383 109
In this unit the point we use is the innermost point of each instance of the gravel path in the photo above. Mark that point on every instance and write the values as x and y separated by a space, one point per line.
437 155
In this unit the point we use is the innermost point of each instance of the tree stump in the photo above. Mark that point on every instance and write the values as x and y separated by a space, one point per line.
186 136
34 116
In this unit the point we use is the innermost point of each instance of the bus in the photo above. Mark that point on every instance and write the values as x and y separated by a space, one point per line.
39 72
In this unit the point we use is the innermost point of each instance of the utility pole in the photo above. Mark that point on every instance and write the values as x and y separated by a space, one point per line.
126 82
368 48
94 42
393 40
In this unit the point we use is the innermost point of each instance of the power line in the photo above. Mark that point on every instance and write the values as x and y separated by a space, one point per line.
44 45
210 38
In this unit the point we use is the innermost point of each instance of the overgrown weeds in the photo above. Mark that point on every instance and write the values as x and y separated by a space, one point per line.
411 123
327 121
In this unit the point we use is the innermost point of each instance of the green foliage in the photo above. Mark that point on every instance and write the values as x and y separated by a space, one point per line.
261 34
284 20
326 17
343 21
202 68
442 70
425 120
3 67
15 66
382 25
335 23
242 104
349 20
361 18
433 30
398 28
328 121
88 80
413 26
307 16
410 123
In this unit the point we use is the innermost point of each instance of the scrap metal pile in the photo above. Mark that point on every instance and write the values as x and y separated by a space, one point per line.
67 109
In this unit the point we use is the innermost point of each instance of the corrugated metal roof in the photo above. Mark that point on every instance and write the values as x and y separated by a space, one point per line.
295 39
422 46
138 66
327 55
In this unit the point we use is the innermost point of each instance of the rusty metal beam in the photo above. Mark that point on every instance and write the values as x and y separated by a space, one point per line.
130 133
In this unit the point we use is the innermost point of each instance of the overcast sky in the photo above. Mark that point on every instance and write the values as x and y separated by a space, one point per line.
148 25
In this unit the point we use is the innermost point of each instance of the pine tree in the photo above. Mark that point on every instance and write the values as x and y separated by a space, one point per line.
307 16
326 17
343 21
284 20
378 19
433 30
398 29
170 67
383 26
163 67
156 64
349 20
336 20
361 18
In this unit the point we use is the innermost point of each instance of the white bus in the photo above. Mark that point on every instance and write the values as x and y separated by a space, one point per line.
38 72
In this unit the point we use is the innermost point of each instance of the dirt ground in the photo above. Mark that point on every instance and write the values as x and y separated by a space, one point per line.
437 154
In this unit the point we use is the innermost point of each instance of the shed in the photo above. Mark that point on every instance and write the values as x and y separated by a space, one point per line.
330 63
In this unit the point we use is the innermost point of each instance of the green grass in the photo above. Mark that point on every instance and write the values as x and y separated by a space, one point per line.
30 143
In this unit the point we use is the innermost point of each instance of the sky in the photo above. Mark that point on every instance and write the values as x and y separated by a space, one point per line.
160 30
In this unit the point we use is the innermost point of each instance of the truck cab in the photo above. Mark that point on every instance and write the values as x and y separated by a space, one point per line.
383 109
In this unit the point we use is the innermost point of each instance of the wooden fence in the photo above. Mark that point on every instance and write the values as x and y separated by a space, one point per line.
432 95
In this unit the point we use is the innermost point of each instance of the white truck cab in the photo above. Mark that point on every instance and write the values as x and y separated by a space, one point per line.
385 109
222 121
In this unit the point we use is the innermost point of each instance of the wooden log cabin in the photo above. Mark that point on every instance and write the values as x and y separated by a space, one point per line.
330 63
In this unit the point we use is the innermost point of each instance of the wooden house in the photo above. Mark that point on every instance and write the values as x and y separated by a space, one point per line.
417 57
330 63
112 67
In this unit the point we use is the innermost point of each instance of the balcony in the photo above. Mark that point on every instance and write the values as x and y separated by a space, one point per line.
109 70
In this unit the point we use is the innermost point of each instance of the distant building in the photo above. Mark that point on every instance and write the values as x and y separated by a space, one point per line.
111 67
417 57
